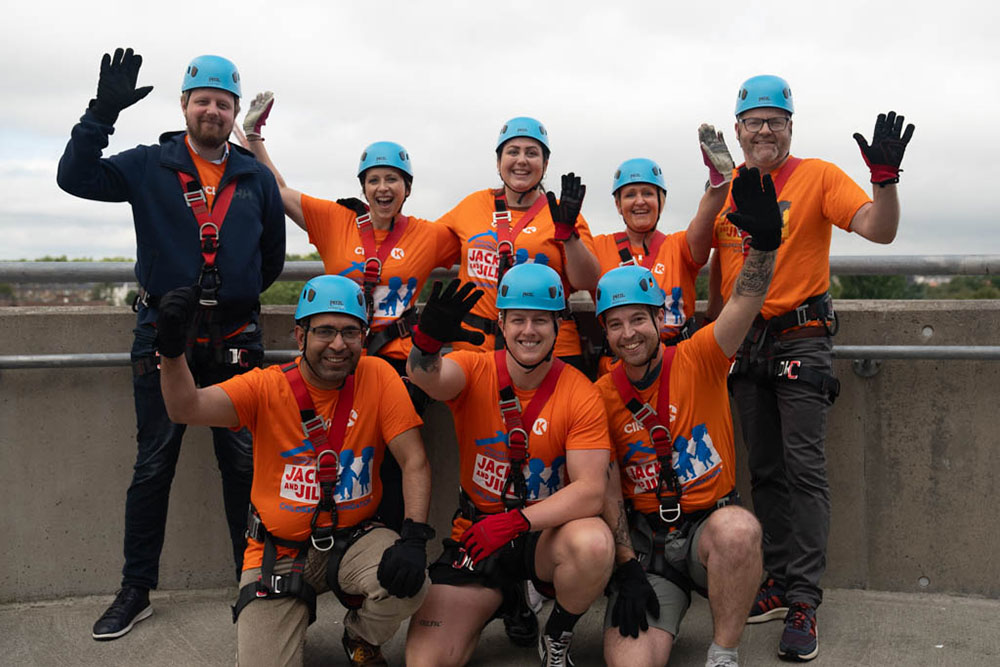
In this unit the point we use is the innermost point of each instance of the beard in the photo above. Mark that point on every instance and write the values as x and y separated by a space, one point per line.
208 135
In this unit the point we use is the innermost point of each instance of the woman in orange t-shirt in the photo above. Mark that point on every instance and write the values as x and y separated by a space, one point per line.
391 255
520 223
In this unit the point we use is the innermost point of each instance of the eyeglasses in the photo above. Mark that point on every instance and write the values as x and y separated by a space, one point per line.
775 123
328 334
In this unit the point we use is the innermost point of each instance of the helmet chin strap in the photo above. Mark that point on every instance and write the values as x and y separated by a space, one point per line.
522 193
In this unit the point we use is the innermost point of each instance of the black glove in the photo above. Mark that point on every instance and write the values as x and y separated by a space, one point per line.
886 151
441 318
175 311
404 564
757 210
636 598
355 205
116 87
565 212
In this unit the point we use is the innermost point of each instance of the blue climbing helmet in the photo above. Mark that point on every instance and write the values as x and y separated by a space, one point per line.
638 170
523 126
531 287
628 285
332 294
764 90
385 154
212 72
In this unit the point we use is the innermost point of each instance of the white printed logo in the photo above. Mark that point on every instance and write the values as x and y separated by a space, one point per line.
540 426
359 251
659 268
397 253
530 230
644 476
490 474
482 264
299 484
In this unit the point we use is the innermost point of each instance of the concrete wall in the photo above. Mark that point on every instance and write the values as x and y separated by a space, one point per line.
912 453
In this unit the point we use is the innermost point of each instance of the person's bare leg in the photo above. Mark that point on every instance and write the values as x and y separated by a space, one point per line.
730 550
446 628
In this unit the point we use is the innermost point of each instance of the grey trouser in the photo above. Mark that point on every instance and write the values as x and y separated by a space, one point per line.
784 428
273 632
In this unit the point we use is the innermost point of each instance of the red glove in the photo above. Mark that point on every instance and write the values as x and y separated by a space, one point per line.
487 535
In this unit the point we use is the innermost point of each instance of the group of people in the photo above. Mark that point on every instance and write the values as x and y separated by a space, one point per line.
569 489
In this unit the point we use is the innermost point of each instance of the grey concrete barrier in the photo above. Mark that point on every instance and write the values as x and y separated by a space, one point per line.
912 451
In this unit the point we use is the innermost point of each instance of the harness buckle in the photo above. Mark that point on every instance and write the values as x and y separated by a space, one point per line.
644 413
660 435
363 219
323 543
311 426
501 215
194 196
255 526
802 314
630 262
670 514
513 404
505 247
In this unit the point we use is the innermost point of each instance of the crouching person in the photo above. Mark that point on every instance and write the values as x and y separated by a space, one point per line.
533 457
320 426
672 504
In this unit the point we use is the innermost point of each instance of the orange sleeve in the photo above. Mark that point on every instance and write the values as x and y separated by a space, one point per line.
449 249
842 196
245 392
320 216
397 410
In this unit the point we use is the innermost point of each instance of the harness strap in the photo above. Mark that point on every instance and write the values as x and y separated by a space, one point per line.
818 307
375 258
505 235
514 421
668 489
327 456
792 369
209 226
625 249
401 327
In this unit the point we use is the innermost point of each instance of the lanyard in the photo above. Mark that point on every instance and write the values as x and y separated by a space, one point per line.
514 421
209 226
668 490
327 446
375 258
506 235
625 249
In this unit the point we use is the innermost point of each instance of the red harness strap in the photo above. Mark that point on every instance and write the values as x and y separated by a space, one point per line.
209 225
327 446
374 258
668 490
517 424
506 235
625 249
779 182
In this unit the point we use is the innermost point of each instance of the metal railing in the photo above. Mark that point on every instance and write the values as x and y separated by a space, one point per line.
938 265
844 265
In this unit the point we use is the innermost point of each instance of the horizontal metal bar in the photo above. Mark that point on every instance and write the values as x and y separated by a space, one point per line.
123 272
911 352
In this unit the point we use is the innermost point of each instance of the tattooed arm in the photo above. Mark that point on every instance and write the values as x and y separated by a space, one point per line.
748 296
616 517
442 379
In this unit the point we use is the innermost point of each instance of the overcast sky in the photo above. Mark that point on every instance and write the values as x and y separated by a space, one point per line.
610 80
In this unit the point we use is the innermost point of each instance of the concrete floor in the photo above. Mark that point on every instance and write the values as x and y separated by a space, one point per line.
855 628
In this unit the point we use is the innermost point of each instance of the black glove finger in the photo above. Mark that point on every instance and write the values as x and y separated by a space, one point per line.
105 63
468 297
767 187
553 205
652 604
116 61
450 291
894 124
435 292
862 142
565 183
470 336
616 615
740 220
907 134
141 93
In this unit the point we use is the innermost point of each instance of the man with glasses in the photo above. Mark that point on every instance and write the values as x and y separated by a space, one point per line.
781 380
320 429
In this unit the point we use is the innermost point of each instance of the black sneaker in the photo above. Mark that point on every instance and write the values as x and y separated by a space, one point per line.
770 603
131 605
519 620
799 641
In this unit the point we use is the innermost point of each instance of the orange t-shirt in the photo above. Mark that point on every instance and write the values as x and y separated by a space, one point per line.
209 173
422 247
817 195
572 418
700 424
674 269
472 222
284 489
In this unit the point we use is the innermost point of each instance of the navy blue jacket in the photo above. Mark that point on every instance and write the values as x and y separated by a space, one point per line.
251 240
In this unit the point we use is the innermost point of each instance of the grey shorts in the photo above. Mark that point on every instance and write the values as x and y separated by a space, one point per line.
674 601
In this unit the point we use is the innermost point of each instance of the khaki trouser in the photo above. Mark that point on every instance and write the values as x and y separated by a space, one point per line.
273 632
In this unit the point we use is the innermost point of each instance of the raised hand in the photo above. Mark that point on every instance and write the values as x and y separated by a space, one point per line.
716 155
885 153
565 211
116 86
257 115
173 318
441 318
757 211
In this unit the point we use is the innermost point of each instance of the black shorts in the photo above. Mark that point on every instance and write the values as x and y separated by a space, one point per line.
511 564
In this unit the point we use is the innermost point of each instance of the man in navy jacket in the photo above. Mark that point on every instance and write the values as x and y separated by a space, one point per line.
206 213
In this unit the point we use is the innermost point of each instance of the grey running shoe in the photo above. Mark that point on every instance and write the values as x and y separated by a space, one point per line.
555 652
